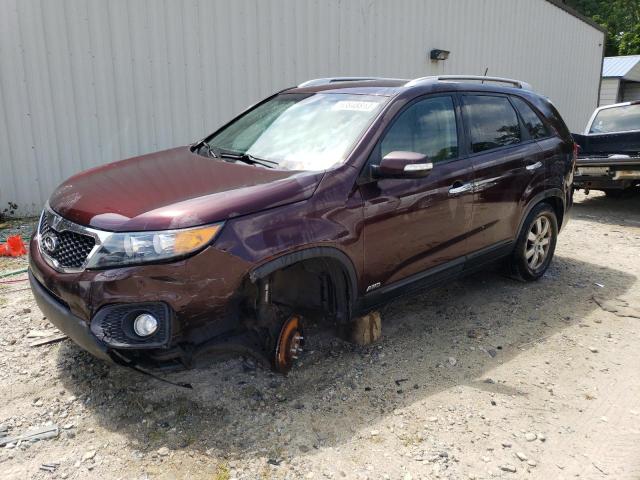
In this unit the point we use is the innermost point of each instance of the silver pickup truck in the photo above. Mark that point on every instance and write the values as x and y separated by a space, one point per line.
609 151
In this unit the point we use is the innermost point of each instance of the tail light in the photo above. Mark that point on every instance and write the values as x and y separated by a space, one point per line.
576 149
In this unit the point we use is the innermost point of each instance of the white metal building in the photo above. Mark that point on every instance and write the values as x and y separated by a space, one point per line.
84 82
620 79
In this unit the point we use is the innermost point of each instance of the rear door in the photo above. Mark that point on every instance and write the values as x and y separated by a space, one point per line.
504 159
546 174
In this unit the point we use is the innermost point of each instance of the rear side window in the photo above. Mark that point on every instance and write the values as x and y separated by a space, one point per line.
493 123
428 127
531 120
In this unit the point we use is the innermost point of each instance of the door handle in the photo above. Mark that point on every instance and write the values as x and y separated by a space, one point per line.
534 166
458 187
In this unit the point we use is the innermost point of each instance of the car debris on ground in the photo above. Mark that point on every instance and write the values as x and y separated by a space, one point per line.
31 435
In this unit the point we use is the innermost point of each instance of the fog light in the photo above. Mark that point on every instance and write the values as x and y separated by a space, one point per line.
145 325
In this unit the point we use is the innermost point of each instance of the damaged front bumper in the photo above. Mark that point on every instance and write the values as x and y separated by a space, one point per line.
196 311
74 327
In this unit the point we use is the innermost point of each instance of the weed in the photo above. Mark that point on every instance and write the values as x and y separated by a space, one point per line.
222 472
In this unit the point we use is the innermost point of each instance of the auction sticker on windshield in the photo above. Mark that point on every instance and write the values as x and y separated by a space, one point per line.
355 105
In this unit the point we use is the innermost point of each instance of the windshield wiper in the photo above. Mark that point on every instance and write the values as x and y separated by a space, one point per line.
250 159
202 143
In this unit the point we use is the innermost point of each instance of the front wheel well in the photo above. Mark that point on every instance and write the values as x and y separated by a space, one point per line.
317 288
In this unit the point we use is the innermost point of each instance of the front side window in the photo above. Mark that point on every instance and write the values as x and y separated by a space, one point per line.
493 123
617 119
531 120
301 131
428 127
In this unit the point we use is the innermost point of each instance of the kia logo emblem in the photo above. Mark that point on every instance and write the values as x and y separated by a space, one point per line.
50 242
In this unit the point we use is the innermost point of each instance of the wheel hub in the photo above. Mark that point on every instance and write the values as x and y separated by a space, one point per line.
290 344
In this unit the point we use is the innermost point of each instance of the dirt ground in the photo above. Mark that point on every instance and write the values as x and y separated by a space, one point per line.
482 378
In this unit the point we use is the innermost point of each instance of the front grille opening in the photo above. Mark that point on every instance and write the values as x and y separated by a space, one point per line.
73 248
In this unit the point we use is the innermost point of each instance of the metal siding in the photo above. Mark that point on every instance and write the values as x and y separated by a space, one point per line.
609 91
84 82
631 92
634 74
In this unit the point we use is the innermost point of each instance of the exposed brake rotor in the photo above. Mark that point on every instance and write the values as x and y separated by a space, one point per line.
290 344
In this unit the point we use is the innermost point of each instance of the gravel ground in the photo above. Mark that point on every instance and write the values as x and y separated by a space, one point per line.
481 378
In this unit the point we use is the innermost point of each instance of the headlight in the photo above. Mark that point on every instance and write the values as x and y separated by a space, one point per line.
144 247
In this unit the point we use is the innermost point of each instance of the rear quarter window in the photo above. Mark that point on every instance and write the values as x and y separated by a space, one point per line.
553 117
532 122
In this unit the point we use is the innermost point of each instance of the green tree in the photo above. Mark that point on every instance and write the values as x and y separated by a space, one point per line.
621 18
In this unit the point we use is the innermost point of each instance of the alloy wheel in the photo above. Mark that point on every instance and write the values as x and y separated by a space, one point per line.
538 242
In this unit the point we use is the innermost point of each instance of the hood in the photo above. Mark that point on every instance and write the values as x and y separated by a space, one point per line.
175 189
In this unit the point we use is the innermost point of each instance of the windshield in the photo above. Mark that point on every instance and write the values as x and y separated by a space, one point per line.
300 131
617 119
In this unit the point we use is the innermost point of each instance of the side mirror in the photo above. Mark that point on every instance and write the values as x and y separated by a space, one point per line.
402 165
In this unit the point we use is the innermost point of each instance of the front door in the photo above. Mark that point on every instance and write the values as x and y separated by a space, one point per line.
412 225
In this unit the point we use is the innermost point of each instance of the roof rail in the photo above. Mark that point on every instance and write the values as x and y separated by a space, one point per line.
326 81
479 78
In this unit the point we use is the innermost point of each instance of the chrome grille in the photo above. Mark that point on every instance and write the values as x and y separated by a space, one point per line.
72 249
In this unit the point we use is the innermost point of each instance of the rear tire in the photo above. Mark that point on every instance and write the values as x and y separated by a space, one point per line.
536 244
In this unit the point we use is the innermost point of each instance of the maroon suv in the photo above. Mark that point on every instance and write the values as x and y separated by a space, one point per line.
322 200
